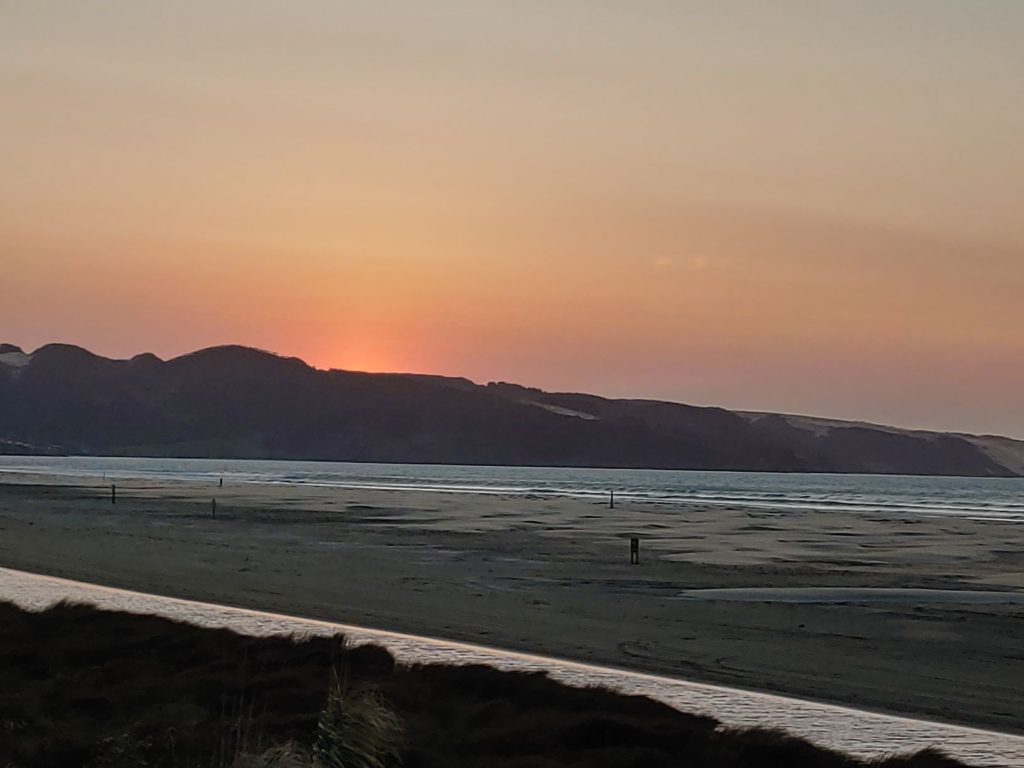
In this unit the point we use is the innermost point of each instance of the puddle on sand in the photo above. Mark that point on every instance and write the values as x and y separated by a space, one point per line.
856 595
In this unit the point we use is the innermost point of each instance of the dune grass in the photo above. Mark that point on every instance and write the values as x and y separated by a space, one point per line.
85 687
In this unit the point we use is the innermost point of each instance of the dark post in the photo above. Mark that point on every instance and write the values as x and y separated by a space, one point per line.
113 493
213 507
634 551
611 500
222 482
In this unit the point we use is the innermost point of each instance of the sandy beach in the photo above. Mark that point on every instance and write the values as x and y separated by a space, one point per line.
552 576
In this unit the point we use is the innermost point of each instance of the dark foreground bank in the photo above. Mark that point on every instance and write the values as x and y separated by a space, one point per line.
84 687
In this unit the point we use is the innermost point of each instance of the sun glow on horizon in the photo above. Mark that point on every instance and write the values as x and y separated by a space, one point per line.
807 208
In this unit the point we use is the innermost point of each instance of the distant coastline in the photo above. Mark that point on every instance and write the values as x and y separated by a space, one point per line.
242 403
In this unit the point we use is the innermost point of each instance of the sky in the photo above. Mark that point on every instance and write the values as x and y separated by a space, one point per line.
810 207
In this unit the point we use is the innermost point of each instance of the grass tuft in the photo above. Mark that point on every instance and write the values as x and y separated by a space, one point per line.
356 729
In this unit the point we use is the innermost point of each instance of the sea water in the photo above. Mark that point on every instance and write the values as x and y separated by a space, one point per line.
979 498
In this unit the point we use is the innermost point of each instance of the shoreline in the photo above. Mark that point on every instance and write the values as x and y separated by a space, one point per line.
569 467
406 561
627 484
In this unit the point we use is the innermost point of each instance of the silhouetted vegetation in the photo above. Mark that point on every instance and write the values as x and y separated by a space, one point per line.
84 687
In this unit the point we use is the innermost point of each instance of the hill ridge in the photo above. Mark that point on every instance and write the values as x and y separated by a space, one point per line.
232 401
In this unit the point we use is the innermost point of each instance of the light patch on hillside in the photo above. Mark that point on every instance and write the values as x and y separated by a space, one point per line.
563 411
820 426
15 359
1002 450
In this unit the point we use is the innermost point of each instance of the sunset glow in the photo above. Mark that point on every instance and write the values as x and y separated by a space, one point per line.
791 206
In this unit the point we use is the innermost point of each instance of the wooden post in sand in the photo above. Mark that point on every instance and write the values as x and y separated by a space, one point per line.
634 550
113 493
222 482
213 507
611 499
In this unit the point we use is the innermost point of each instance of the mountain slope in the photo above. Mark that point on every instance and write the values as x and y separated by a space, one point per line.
244 403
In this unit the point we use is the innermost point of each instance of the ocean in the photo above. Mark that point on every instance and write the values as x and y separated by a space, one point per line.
978 498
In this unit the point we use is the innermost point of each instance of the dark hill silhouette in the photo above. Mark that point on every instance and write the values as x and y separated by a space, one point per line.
239 402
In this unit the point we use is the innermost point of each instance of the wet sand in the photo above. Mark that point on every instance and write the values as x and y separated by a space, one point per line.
552 576
855 595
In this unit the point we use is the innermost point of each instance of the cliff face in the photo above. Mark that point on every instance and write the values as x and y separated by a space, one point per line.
245 403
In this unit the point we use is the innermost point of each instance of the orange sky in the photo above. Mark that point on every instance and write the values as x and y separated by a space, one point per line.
808 207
